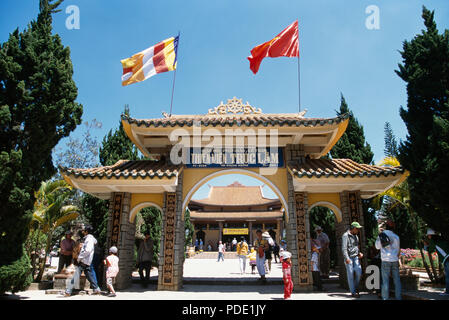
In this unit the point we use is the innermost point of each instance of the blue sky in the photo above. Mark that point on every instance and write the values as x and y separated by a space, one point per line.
338 55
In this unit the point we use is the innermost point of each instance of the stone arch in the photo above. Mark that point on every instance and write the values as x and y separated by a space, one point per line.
336 210
221 172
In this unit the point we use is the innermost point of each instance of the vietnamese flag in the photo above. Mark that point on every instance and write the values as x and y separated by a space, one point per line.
285 44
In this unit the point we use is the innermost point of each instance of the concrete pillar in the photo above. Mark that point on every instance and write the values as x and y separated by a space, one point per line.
298 238
220 232
171 256
121 233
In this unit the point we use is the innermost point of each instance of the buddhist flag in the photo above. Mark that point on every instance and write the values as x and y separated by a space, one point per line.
285 44
157 59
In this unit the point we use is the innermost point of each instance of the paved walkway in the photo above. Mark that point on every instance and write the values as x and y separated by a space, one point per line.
207 279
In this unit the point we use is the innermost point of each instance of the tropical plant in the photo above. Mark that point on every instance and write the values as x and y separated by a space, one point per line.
52 210
399 195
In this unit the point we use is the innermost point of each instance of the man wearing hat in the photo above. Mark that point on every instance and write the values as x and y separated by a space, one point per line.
351 254
390 251
324 241
65 256
85 258
436 243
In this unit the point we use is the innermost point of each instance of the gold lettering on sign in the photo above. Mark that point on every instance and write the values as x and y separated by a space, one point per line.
169 238
353 207
301 236
116 215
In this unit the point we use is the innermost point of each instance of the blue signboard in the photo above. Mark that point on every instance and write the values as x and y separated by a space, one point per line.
235 157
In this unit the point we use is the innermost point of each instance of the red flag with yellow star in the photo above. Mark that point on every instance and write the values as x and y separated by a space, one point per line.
285 44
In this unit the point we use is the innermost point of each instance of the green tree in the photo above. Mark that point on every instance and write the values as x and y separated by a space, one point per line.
391 145
115 146
397 207
352 145
150 219
425 153
51 210
37 109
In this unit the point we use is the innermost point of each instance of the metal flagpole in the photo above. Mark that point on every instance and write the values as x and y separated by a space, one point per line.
174 76
299 76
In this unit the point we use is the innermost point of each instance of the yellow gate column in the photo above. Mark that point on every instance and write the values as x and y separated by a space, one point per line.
298 238
171 257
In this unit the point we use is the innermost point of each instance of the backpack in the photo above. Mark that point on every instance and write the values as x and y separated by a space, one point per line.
384 239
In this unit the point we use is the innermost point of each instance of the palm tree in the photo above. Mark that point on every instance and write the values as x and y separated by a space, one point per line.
399 195
51 210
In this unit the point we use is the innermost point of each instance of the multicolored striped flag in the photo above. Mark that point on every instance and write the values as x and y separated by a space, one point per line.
285 44
157 59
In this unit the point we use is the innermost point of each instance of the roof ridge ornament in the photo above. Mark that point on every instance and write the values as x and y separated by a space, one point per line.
234 106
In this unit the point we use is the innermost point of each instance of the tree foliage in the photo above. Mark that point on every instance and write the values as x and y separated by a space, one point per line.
391 145
425 153
37 109
352 144
150 219
53 209
115 146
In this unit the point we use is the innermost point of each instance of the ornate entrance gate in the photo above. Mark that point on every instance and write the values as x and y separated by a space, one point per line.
281 150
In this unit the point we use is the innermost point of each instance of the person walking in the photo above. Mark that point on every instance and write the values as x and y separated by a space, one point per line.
268 252
287 274
252 259
324 252
316 265
221 251
389 245
111 262
74 281
261 245
436 243
65 257
351 254
234 244
276 249
144 258
242 252
85 258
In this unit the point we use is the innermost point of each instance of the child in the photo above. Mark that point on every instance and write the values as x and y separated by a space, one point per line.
315 265
287 274
112 269
252 259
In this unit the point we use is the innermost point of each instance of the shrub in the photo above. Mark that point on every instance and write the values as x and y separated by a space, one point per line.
16 276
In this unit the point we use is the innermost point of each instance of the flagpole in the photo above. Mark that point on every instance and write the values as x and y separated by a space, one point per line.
174 76
299 76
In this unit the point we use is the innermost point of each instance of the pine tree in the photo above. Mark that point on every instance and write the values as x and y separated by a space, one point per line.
425 153
391 145
352 144
115 146
37 109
